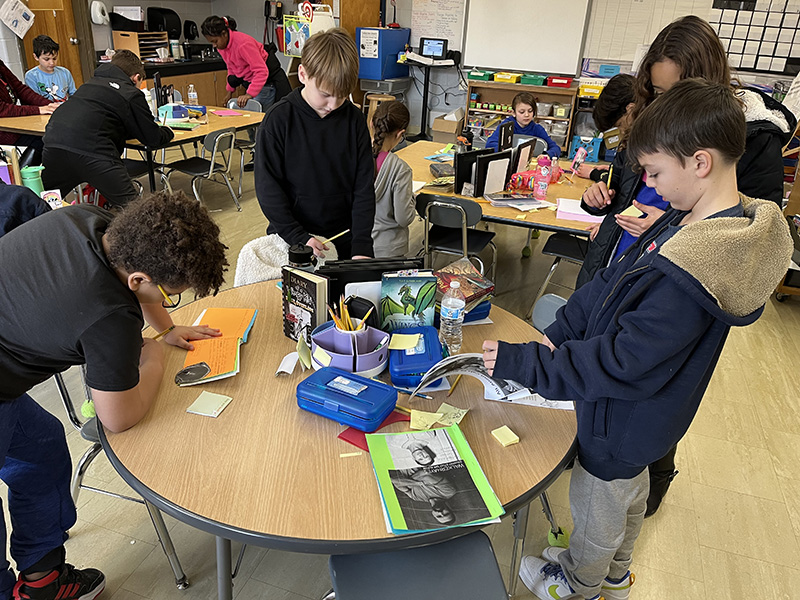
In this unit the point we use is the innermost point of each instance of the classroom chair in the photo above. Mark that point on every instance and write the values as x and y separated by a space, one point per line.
248 144
88 431
464 568
220 145
449 228
544 311
563 246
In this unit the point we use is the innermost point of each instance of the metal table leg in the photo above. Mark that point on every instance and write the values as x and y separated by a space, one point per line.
224 573
166 544
151 169
520 526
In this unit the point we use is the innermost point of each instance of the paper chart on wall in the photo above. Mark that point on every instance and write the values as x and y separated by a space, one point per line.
438 19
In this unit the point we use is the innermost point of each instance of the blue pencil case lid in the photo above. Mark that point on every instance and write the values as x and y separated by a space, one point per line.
476 314
406 367
347 398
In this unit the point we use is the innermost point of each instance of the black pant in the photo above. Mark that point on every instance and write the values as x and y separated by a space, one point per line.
64 170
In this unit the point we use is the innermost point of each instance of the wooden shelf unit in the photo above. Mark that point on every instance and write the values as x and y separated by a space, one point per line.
496 92
143 44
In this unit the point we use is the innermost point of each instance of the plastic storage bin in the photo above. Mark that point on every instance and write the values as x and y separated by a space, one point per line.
555 81
480 75
543 109
406 367
531 79
507 77
378 50
592 146
562 110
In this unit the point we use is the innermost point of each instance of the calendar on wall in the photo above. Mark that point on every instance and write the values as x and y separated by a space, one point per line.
759 35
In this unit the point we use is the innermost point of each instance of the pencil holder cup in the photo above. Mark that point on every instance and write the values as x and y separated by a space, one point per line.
365 352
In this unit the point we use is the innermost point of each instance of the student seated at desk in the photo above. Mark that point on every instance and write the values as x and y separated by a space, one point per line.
636 347
524 106
84 140
48 79
394 198
314 169
76 286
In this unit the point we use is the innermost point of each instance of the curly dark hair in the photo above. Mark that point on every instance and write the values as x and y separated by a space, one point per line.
613 102
389 117
172 239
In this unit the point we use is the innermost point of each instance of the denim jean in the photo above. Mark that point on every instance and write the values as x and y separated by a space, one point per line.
266 96
35 464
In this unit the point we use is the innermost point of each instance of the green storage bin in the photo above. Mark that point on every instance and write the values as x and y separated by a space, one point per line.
531 79
480 75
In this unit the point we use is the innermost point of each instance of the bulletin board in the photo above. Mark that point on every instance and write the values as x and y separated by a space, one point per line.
438 19
526 35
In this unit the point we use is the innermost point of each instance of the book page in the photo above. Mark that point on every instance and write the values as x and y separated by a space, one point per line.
218 353
232 322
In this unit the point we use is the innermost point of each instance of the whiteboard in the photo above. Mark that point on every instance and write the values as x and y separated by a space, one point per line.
526 35
438 19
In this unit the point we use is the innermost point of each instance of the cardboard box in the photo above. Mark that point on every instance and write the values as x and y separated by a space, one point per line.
445 131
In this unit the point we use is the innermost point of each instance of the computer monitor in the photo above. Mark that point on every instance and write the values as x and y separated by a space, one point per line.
433 47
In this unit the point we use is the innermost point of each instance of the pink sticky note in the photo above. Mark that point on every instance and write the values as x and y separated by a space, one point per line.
227 113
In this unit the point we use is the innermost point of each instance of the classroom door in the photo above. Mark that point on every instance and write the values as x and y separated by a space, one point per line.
55 18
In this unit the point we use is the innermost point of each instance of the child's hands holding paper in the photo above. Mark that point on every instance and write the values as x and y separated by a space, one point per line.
489 354
181 335
635 224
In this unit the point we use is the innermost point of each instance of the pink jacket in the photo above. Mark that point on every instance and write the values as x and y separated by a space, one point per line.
246 58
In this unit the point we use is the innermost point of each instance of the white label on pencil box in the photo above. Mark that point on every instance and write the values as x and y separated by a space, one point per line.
418 349
346 385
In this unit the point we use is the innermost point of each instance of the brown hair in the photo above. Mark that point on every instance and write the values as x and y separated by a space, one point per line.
331 57
128 62
170 238
613 101
695 114
690 43
524 98
389 117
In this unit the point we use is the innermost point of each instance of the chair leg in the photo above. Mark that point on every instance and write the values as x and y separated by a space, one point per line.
139 187
195 190
494 262
80 470
543 287
241 170
166 544
165 181
520 526
233 194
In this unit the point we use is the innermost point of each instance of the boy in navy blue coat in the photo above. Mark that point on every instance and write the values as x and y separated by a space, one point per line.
524 106
636 347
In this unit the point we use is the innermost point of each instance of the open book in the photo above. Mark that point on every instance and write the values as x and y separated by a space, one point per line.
502 390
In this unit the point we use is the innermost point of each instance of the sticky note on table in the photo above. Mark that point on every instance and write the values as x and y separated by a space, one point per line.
505 436
404 341
303 352
632 211
322 357
209 404
521 217
423 420
450 414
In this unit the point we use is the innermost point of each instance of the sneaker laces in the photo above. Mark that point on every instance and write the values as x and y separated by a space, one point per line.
554 570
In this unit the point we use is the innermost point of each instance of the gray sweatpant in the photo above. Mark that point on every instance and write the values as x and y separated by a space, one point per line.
607 518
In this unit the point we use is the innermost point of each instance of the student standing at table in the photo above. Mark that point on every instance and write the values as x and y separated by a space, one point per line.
314 168
87 283
636 347
524 107
248 63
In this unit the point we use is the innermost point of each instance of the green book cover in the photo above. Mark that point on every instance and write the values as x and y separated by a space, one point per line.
408 299
430 480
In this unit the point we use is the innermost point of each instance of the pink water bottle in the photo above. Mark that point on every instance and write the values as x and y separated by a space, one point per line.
542 178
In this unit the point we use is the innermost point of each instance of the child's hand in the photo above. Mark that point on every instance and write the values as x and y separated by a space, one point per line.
546 342
598 195
181 335
593 229
636 226
317 246
49 109
242 100
585 170
489 354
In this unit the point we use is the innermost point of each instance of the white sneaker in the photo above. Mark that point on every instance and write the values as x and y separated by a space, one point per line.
546 580
610 591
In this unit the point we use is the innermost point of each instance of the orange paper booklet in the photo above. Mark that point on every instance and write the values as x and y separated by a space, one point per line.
217 358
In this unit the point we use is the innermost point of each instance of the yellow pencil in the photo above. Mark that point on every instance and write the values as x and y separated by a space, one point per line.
452 387
402 409
335 319
165 332
364 320
336 237
610 172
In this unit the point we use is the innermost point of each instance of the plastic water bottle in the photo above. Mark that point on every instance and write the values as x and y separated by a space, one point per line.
191 94
451 318
542 178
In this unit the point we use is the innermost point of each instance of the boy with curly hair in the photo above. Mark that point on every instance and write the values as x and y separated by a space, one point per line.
76 287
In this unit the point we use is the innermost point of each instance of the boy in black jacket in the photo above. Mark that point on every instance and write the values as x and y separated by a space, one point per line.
84 140
636 347
314 169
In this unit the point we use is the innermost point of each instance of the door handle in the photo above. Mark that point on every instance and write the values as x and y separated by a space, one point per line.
74 41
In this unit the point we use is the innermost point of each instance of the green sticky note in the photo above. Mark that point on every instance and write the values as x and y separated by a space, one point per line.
303 352
209 404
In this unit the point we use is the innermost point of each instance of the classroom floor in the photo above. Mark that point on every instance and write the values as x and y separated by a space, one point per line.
729 529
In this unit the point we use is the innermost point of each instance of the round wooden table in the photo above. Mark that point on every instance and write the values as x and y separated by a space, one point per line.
265 472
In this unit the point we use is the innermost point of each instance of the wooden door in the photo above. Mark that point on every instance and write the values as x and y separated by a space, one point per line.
55 18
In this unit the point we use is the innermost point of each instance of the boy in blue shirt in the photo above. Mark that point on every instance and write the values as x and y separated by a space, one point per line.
524 106
49 80
636 346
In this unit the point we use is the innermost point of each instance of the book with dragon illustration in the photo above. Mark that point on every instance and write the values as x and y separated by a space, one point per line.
408 299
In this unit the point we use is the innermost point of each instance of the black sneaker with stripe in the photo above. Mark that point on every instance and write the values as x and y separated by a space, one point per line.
68 584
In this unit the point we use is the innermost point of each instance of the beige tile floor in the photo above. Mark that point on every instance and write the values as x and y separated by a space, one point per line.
729 529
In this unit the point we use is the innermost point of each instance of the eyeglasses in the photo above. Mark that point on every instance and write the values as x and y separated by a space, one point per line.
169 302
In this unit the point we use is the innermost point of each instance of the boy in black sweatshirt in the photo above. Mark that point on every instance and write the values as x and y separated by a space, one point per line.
83 142
314 169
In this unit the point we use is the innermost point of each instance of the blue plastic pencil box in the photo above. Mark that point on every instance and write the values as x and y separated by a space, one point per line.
406 367
346 398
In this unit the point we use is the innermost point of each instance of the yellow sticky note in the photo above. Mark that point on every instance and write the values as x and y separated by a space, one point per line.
505 436
450 414
404 341
552 208
423 420
322 357
303 352
209 404
632 211
521 217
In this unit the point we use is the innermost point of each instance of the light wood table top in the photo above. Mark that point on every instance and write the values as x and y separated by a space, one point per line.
268 473
415 154
31 124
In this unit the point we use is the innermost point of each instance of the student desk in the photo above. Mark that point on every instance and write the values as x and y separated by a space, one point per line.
544 219
35 125
267 473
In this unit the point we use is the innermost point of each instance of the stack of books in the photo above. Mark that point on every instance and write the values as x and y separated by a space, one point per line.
475 287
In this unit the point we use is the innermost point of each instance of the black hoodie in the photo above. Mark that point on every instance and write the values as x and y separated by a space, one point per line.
104 112
315 175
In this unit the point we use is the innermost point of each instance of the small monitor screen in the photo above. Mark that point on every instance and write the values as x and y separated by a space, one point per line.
433 48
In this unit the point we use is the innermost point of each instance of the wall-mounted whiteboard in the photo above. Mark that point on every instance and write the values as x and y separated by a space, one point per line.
438 19
526 35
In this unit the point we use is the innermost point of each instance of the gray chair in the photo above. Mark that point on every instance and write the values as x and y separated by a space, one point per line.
544 311
220 146
88 431
539 147
563 246
241 144
449 223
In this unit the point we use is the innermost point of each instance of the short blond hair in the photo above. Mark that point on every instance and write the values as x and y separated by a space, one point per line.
331 57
